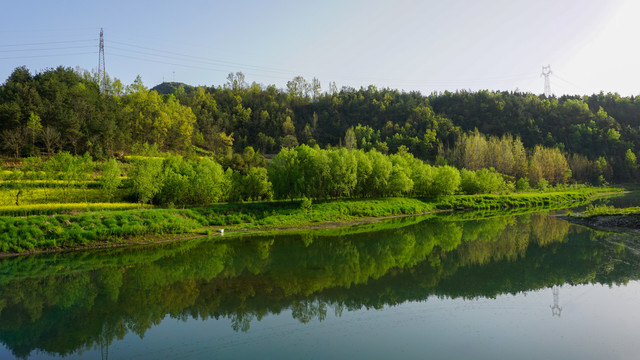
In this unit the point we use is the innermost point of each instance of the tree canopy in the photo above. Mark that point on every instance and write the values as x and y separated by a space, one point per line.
66 109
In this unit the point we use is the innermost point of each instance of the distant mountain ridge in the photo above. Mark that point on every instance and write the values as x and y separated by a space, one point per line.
170 87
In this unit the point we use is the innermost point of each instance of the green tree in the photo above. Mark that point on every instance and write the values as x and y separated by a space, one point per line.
381 167
177 175
422 177
146 179
342 170
399 182
210 183
256 184
350 141
630 161
446 181
110 179
34 125
284 174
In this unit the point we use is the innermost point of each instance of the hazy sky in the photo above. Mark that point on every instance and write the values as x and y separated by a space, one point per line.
403 44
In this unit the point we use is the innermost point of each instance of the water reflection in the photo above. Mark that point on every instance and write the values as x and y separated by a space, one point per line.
65 303
556 309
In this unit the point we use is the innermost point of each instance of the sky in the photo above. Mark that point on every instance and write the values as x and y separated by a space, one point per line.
426 46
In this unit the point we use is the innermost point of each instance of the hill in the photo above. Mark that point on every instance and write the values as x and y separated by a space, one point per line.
166 88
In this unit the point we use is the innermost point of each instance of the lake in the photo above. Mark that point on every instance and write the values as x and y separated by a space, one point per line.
452 286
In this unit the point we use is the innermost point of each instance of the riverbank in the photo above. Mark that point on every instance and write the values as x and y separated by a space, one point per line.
608 217
55 232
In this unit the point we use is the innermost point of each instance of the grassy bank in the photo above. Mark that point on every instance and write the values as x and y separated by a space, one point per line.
607 217
606 210
28 233
64 208
518 200
99 224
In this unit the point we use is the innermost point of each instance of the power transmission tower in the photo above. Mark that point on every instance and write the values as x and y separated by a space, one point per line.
102 73
556 309
546 71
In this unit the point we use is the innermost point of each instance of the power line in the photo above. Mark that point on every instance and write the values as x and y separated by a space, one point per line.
188 66
164 62
41 56
218 62
160 56
198 58
567 82
47 49
48 43
155 55
568 91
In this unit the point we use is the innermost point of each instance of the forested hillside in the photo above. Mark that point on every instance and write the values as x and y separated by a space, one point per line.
596 136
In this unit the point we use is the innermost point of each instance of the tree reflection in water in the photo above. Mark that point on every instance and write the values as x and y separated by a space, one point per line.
65 303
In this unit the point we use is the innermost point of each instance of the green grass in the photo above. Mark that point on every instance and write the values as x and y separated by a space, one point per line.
606 210
15 184
385 224
51 209
29 196
518 200
32 175
290 213
18 234
45 227
345 210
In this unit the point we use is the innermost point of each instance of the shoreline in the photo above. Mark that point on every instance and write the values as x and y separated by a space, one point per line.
614 223
323 215
170 238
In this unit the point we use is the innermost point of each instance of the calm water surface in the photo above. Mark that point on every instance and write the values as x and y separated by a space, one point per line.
449 287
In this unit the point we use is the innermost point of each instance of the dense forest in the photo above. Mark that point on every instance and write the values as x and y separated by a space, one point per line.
583 138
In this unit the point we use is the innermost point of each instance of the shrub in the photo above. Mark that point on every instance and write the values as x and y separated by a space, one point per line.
523 184
542 185
305 204
446 181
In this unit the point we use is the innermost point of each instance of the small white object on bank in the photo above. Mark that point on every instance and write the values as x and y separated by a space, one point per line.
221 231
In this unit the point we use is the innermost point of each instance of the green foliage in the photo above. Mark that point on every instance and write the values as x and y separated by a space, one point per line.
255 185
52 208
484 181
209 183
42 232
542 185
321 174
174 180
446 181
48 194
523 184
305 204
32 164
110 179
63 109
553 197
344 271
608 210
146 177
